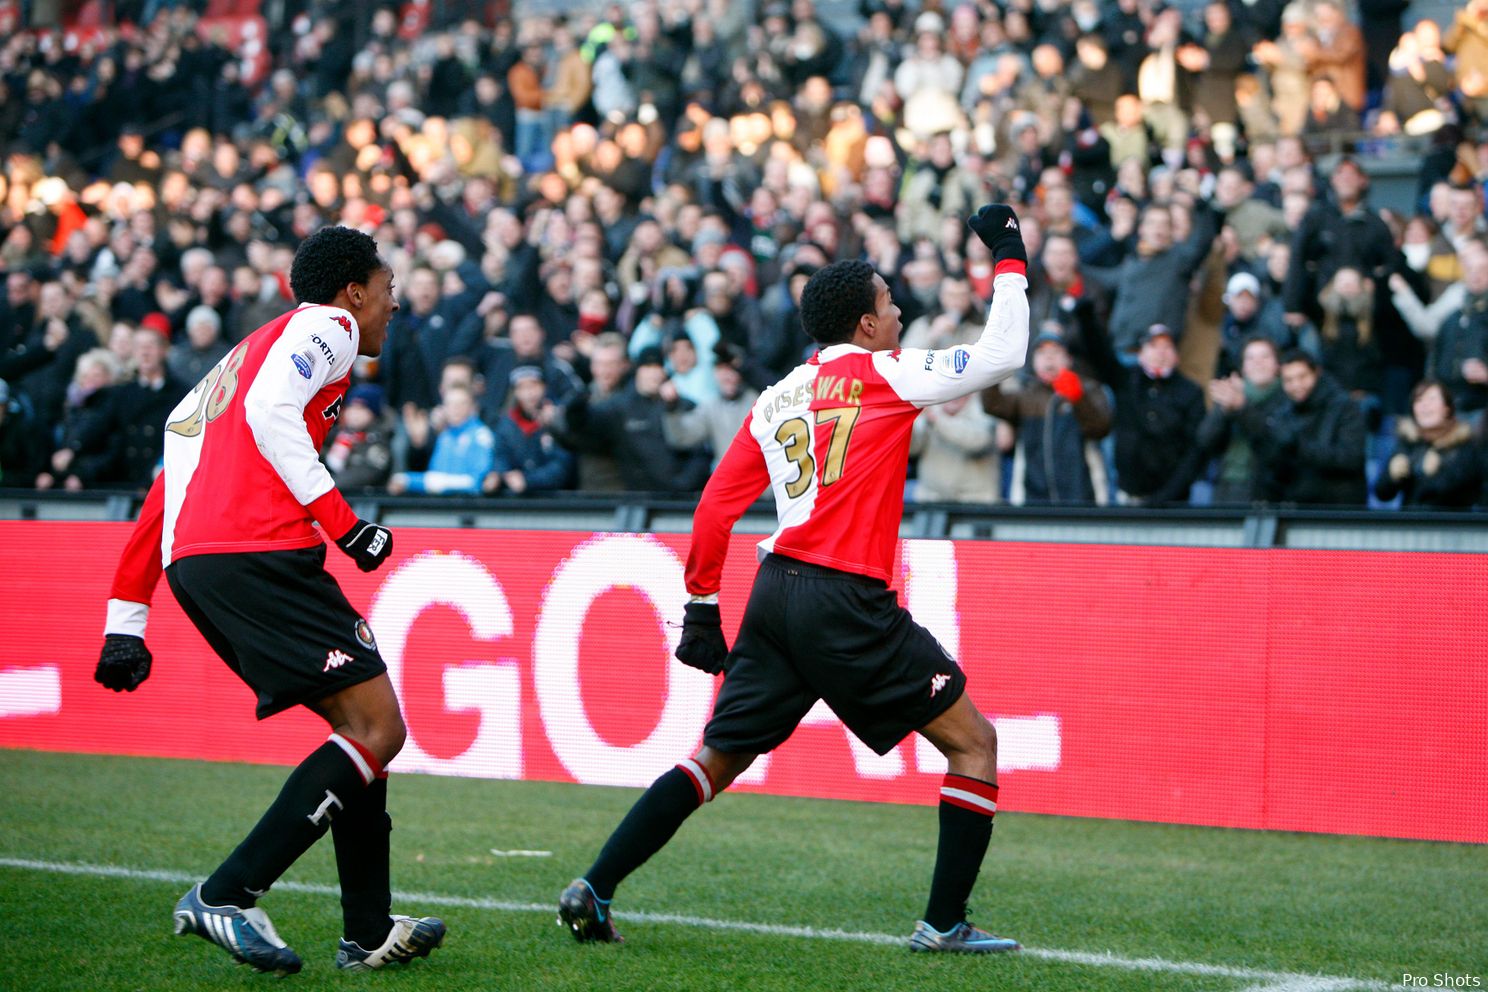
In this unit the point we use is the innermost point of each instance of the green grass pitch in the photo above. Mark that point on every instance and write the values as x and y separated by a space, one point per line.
94 852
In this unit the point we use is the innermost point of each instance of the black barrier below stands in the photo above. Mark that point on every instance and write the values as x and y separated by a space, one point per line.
1257 527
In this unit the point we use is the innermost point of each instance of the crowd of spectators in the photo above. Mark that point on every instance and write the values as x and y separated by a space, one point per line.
600 225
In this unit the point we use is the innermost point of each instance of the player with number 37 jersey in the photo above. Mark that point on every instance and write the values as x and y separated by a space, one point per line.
831 443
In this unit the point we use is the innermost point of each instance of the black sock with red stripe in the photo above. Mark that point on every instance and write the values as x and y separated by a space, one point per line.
319 789
650 823
967 806
363 835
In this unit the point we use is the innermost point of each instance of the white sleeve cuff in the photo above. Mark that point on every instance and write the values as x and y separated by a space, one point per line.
710 598
125 617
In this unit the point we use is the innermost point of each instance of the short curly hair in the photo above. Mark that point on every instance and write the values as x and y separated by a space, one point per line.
835 299
331 259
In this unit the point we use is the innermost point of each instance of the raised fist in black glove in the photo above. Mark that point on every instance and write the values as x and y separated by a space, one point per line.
123 664
997 226
368 544
702 645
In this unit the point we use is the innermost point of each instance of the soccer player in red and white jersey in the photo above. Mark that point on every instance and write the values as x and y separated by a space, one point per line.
831 442
235 521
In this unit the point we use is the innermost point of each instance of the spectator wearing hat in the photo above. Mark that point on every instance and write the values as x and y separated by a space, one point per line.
1059 418
716 420
464 451
203 348
528 458
358 451
1436 463
1244 402
638 426
1248 315
1158 410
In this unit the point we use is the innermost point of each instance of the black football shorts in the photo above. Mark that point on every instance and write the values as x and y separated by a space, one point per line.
280 622
810 633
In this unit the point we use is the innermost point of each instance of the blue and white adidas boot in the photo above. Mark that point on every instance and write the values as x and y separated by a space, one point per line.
586 915
963 938
246 934
409 938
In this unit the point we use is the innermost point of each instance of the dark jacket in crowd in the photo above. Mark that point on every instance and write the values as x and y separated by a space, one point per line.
1052 433
1315 449
132 424
1462 335
496 360
1243 476
1329 240
633 428
1157 420
1455 462
359 459
531 449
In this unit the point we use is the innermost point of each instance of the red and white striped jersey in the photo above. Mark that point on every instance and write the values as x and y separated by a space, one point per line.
831 441
242 468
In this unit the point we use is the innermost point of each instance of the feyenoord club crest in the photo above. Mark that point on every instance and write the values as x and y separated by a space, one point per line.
364 636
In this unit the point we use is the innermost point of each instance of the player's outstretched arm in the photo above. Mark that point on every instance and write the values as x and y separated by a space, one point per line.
124 662
927 377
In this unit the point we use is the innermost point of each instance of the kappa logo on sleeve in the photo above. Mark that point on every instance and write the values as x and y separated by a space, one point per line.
344 321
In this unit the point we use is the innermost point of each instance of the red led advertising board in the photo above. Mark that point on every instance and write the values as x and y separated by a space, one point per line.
1327 691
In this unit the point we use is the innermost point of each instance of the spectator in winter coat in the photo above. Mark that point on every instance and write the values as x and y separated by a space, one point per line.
1243 405
464 452
203 347
1158 410
1456 328
427 332
1316 447
959 455
718 419
1435 463
528 458
123 444
637 425
1059 417
358 452
1246 317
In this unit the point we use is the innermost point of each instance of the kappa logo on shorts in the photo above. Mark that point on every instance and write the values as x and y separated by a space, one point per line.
937 683
336 658
364 636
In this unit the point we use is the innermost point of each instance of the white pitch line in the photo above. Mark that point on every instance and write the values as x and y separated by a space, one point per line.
1267 981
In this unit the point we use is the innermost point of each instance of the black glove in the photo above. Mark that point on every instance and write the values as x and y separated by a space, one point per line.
367 544
702 645
997 226
123 664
